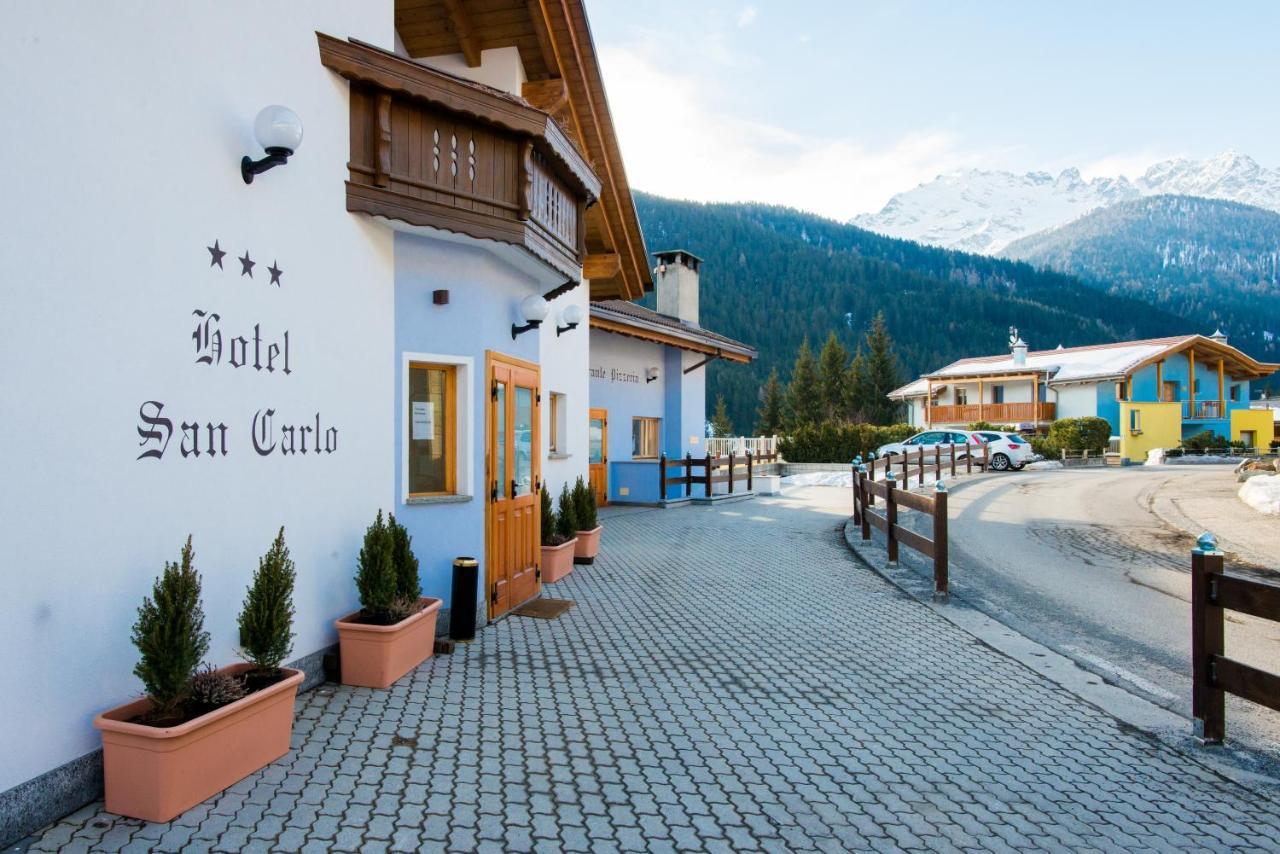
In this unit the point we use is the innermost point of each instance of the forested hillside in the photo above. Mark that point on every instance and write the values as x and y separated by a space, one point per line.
1215 261
774 276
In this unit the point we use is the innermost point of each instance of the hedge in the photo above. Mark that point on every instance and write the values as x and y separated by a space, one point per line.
838 443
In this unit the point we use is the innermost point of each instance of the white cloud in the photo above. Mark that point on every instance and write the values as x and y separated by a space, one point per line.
676 143
747 17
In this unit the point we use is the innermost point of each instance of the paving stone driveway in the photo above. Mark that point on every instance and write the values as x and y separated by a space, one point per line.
730 679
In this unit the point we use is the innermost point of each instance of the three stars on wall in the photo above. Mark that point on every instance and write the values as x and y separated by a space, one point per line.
216 254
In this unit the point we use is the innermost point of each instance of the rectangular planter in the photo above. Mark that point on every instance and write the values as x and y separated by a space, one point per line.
156 773
557 561
588 545
376 656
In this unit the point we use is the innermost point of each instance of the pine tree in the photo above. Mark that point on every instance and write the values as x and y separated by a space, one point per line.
856 388
566 518
170 635
833 379
408 584
548 520
266 620
769 416
376 572
720 423
883 374
804 392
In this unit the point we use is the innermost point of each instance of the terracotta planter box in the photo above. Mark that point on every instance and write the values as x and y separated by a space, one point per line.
557 561
588 545
156 773
376 656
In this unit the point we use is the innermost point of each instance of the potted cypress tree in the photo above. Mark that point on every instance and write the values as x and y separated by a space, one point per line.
395 629
589 527
194 734
557 548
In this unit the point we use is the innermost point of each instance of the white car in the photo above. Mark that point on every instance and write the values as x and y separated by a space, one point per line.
1005 450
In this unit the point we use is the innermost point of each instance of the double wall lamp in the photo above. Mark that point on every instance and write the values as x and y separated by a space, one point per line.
534 309
279 132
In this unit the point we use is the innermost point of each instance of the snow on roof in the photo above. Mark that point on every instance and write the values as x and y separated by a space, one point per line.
1068 364
919 388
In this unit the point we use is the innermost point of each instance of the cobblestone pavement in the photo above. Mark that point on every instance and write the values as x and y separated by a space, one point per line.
729 679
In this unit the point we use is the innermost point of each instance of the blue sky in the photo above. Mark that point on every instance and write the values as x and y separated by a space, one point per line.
834 106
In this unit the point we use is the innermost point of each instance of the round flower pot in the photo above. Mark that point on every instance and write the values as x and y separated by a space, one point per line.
557 561
588 545
156 773
376 656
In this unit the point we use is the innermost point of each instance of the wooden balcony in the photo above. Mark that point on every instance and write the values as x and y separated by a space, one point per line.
996 413
434 151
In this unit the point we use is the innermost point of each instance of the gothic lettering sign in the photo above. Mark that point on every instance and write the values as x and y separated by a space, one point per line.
615 375
241 345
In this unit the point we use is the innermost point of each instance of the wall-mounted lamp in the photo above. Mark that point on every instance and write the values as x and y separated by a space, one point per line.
533 309
570 316
279 132
650 374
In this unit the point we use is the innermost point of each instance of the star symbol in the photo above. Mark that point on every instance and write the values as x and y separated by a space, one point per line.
276 273
216 252
246 266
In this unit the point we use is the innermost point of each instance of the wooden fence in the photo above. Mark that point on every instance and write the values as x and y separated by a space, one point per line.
731 469
916 465
866 490
1214 592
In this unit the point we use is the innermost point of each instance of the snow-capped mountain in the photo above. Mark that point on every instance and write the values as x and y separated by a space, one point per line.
981 211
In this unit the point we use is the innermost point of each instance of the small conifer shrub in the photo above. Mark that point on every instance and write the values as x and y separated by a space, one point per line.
408 585
550 536
376 580
169 634
584 505
566 518
266 620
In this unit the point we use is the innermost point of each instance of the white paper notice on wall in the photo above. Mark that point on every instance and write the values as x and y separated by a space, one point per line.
423 419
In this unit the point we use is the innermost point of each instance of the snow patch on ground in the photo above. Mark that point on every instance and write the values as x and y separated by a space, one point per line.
1209 459
1044 465
820 478
1262 494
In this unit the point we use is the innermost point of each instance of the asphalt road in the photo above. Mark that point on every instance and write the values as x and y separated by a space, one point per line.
1080 561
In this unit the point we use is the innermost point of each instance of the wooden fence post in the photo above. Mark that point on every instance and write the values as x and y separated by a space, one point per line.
941 588
937 464
905 455
891 517
688 474
1208 703
857 511
749 486
952 448
968 458
731 472
662 478
707 485
867 497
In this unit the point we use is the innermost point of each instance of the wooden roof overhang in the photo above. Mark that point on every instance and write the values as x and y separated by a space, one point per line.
554 41
437 152
995 375
1236 364
659 335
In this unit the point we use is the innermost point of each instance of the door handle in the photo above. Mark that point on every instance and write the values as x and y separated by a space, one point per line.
493 493
513 487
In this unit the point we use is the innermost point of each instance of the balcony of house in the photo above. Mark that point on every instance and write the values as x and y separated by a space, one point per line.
996 413
434 152
1203 410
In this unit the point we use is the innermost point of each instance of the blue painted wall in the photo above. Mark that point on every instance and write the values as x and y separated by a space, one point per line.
484 294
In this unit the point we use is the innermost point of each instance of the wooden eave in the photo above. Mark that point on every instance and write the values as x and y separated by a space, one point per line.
554 40
1238 365
657 336
366 63
961 378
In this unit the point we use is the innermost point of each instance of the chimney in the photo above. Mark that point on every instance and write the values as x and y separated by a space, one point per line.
676 283
1019 347
1218 336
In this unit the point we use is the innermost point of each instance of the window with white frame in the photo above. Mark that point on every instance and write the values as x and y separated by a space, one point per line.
437 423
644 438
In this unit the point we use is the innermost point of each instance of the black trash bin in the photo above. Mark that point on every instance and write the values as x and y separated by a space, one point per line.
462 612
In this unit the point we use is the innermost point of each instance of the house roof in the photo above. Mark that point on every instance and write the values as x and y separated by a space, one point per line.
627 318
1093 362
564 80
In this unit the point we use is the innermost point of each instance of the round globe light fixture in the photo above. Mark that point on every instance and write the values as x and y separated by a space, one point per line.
279 131
533 309
570 316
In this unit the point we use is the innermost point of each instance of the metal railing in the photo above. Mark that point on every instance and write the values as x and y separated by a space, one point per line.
758 446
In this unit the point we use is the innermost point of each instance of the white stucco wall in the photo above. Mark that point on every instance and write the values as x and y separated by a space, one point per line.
564 369
126 125
499 67
1075 401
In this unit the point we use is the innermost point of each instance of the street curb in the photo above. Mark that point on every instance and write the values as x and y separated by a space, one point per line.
1131 710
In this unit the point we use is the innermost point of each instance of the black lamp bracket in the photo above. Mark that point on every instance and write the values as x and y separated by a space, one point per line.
275 157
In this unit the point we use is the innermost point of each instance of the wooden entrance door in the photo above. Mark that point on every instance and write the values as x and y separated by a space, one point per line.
598 454
513 479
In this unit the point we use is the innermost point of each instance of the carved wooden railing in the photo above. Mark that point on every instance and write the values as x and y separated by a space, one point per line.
996 413
428 149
